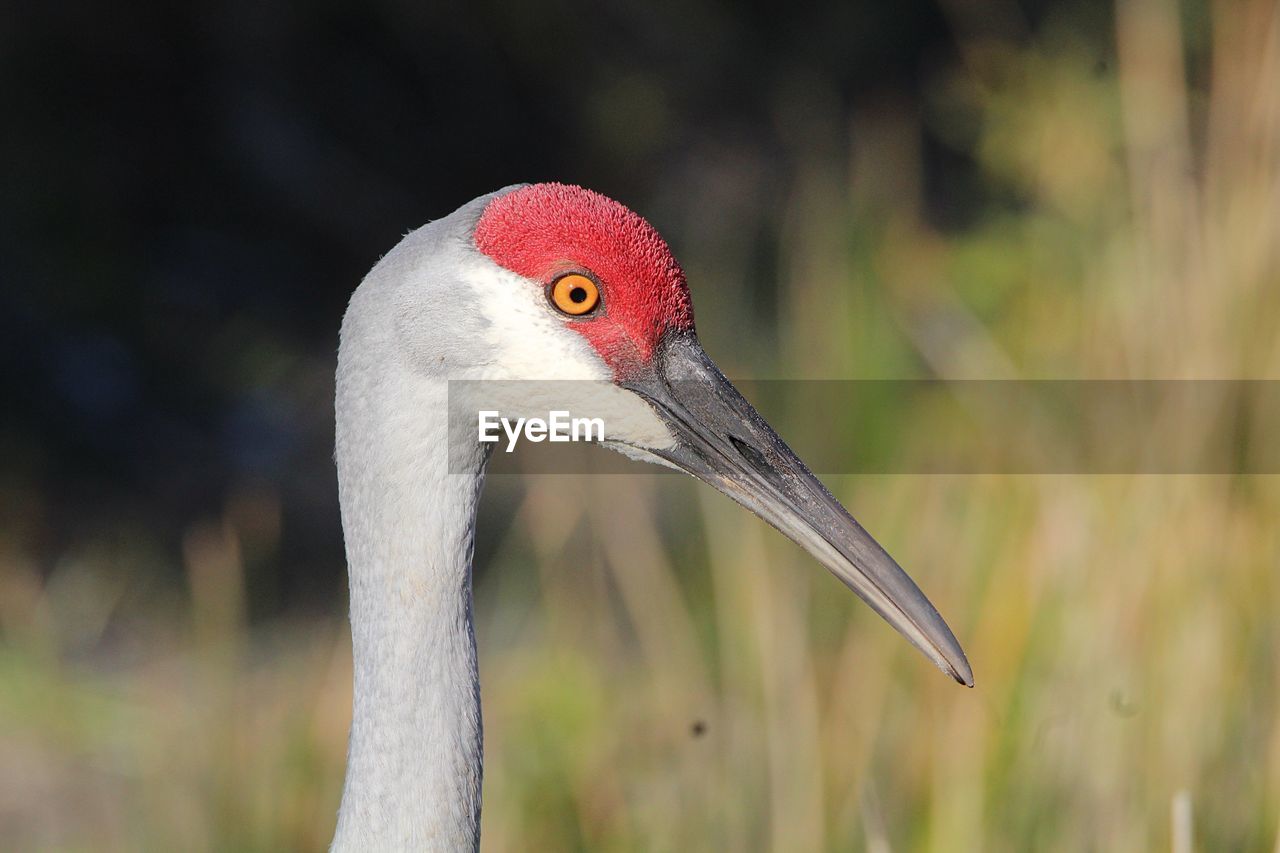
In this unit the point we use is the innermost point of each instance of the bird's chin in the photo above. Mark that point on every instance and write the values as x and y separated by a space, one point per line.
639 454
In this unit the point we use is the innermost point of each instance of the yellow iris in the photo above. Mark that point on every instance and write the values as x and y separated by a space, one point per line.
575 294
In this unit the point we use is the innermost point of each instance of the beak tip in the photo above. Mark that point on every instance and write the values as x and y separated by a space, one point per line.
961 672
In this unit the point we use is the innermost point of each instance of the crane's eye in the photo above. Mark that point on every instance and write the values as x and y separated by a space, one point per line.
575 294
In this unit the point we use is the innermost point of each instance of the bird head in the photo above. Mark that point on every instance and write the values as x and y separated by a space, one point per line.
573 285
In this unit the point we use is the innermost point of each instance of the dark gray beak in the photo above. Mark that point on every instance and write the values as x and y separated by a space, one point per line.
723 441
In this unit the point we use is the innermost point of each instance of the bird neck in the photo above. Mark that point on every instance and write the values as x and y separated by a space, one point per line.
414 762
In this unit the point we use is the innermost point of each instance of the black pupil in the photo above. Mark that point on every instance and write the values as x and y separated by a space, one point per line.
578 294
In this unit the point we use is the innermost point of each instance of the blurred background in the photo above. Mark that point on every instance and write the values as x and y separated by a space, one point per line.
985 189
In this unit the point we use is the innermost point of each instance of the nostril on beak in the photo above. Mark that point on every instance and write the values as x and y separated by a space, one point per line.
747 451
756 460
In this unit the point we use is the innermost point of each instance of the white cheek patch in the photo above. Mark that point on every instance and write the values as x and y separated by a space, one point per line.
535 364
525 340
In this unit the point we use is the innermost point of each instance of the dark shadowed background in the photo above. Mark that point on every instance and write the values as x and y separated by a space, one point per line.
192 191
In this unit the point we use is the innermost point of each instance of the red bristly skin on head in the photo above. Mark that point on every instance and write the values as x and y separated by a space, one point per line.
545 230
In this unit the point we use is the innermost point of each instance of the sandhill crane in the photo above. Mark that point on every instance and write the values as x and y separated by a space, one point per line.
533 282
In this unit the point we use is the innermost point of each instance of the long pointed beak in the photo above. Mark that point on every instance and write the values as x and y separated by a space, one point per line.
722 440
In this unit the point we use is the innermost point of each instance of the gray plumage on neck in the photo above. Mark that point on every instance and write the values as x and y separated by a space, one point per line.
414 757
